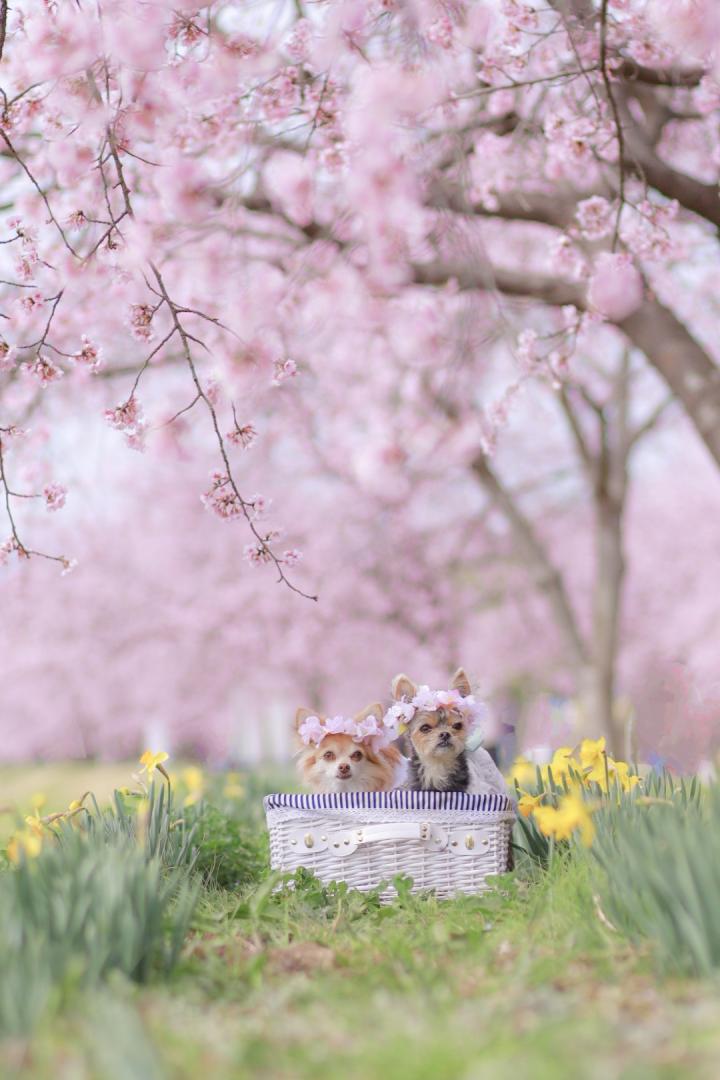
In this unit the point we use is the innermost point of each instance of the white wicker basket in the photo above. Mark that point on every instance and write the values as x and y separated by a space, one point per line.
449 842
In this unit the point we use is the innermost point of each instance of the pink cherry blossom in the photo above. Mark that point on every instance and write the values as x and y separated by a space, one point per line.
222 499
44 370
243 436
129 415
90 355
55 496
595 217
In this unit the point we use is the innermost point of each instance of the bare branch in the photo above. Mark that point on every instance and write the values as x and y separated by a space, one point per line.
186 338
547 577
652 420
576 430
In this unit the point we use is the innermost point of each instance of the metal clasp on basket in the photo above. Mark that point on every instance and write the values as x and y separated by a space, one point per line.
470 842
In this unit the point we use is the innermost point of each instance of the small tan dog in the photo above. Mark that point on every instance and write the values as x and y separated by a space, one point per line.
343 754
439 725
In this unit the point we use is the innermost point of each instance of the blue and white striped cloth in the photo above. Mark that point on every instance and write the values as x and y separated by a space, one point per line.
399 799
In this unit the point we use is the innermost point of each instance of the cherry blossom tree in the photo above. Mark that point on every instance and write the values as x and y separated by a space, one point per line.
423 550
364 229
182 180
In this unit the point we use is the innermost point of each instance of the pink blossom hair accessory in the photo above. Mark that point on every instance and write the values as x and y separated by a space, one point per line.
376 733
402 712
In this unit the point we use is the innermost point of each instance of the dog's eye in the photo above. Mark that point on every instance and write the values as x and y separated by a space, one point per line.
356 756
458 726
328 755
425 728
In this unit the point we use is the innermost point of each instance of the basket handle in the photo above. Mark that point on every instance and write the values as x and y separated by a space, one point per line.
400 830
345 843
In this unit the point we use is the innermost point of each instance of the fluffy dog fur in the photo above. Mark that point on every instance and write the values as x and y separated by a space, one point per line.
341 764
439 760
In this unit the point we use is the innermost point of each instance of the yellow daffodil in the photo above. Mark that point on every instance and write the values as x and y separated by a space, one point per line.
592 752
234 787
527 804
521 772
37 801
620 770
561 822
562 762
192 778
233 791
153 759
35 824
27 844
78 804
594 761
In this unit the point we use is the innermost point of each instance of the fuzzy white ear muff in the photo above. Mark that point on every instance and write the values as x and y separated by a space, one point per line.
402 687
461 683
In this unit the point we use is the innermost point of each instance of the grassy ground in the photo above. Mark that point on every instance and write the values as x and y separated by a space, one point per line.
525 980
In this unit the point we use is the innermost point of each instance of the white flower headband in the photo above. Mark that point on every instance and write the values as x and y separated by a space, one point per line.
401 713
377 733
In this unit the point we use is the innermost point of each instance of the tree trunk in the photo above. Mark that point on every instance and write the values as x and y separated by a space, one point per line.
607 598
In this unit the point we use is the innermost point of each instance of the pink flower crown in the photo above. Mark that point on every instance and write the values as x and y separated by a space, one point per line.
377 733
401 713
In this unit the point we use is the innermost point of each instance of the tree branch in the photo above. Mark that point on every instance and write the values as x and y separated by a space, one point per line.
694 195
577 432
667 344
547 577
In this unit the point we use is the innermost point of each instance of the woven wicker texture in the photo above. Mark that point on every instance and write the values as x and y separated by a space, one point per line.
447 850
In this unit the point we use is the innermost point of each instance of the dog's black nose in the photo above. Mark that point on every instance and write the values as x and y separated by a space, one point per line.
444 737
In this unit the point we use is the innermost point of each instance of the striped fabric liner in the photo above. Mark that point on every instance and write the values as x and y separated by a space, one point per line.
389 800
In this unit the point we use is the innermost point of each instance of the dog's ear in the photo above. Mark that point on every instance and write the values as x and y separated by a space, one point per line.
375 710
301 715
402 687
461 683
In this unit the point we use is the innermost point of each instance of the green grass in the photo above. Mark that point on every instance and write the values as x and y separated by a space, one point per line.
325 983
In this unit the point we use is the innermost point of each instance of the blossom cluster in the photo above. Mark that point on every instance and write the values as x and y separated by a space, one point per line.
377 733
128 418
222 498
426 700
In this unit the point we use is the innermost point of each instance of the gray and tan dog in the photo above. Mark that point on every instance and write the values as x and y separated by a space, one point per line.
437 736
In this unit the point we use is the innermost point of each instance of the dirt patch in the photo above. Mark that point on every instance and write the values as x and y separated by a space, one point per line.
302 957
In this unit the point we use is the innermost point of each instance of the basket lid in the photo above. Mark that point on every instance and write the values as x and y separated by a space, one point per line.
399 799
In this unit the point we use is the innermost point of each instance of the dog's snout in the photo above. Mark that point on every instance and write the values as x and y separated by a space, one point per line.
344 770
444 737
